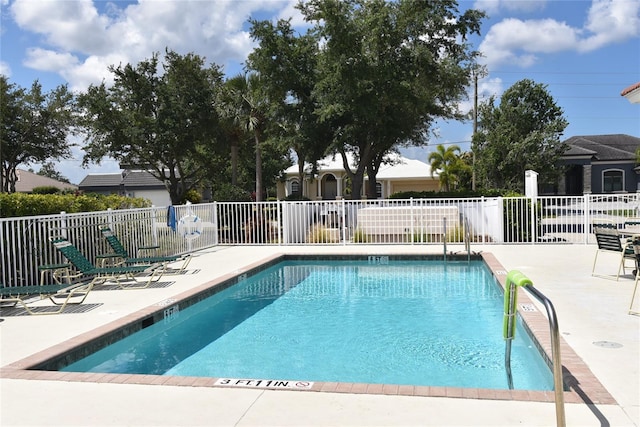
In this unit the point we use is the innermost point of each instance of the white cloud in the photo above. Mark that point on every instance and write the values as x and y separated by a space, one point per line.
494 6
610 22
5 69
82 41
48 60
521 42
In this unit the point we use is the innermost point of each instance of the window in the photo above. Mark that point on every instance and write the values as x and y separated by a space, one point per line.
295 188
379 190
612 181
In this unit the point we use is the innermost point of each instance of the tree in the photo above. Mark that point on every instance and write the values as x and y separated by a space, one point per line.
288 65
232 121
448 164
34 127
49 170
247 109
387 70
521 133
165 122
383 73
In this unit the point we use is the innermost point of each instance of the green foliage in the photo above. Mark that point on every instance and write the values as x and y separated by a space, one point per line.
231 193
455 234
359 236
449 166
321 234
34 127
20 204
192 196
49 170
47 189
521 133
296 198
164 120
384 74
453 194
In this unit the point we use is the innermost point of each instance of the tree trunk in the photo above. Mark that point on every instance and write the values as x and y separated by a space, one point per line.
234 162
370 191
258 167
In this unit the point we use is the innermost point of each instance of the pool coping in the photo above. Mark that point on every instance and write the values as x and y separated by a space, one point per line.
582 385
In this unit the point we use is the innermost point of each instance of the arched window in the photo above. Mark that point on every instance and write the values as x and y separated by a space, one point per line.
612 180
295 188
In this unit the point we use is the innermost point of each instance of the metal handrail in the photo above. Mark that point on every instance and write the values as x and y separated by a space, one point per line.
444 236
516 278
467 237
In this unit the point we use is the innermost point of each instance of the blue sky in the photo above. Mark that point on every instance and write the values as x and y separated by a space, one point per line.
585 52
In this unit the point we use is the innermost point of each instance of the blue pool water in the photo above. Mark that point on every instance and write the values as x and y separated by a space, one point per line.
405 322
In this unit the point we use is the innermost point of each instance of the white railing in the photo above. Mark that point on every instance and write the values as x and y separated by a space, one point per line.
24 241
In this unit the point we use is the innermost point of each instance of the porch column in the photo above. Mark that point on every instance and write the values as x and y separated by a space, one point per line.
319 193
339 184
586 179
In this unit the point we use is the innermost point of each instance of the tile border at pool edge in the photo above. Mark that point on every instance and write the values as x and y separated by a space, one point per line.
576 374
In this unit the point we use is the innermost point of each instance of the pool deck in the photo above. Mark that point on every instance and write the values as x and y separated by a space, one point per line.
592 314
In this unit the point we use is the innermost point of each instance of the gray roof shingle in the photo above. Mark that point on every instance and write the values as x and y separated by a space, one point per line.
603 147
134 179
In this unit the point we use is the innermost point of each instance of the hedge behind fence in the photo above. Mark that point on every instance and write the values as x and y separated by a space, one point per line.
20 204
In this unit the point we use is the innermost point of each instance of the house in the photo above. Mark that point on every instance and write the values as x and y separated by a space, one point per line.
632 93
330 182
128 183
600 164
27 181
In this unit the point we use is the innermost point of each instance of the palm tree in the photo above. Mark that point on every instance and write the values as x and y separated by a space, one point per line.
230 110
446 162
244 108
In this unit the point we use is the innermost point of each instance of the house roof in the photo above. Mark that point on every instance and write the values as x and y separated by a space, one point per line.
630 89
399 167
27 181
632 93
101 180
603 147
406 169
142 179
134 179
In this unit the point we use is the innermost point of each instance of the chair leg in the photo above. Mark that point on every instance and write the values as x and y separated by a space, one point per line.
633 295
594 263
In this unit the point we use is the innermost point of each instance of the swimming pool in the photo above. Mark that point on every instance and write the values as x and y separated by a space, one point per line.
363 321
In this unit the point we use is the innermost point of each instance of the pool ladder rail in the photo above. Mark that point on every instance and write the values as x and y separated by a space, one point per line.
466 236
515 279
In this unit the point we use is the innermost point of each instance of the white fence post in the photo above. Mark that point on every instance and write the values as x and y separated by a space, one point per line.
586 217
63 224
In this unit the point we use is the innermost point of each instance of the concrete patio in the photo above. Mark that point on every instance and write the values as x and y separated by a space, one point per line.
592 313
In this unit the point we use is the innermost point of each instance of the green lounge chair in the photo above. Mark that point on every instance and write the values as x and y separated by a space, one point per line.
104 274
121 253
60 294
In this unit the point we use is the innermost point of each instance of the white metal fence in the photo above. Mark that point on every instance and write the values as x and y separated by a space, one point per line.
24 242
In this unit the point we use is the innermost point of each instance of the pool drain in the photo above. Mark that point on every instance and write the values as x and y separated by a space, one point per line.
607 344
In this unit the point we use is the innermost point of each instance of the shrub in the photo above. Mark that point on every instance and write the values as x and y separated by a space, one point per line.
192 196
359 236
231 193
20 204
321 234
453 194
47 189
296 198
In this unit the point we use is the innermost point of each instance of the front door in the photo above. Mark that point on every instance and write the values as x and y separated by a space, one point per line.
329 187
